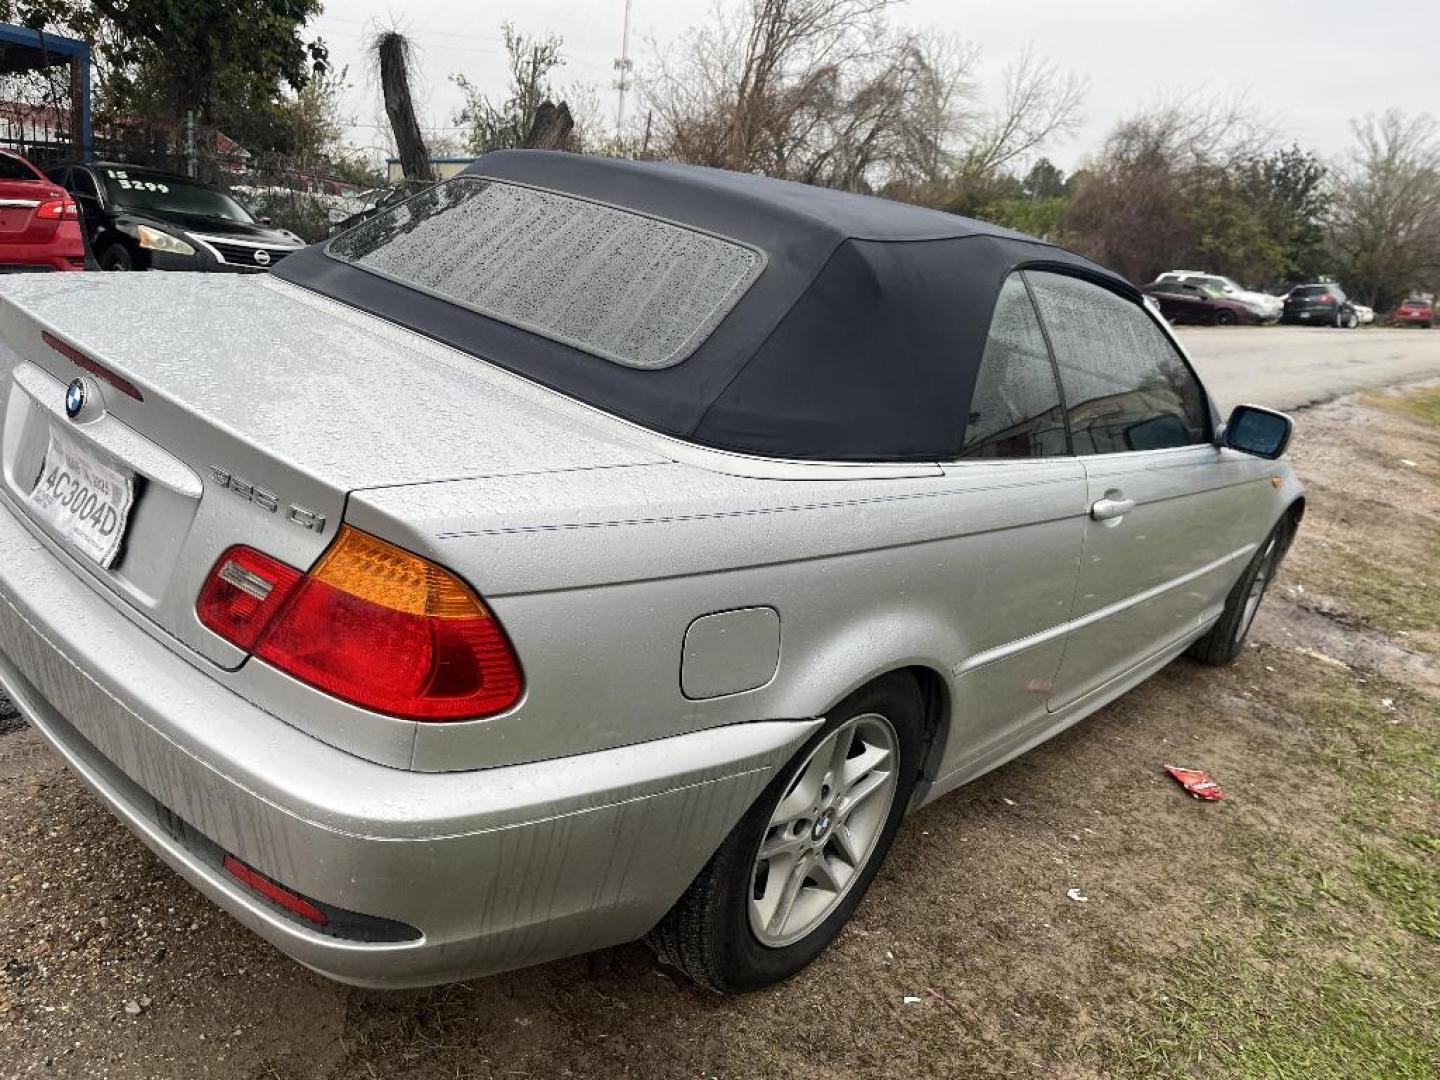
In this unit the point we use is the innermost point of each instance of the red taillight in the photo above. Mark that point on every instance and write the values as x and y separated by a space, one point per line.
373 625
243 594
290 901
58 209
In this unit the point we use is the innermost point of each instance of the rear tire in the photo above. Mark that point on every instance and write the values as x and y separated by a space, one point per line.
1223 641
733 930
117 257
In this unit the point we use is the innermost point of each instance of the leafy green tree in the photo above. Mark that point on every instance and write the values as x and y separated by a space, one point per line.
226 60
1044 180
1232 236
1036 216
1287 191
505 126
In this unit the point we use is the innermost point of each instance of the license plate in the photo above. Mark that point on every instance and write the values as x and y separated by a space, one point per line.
85 501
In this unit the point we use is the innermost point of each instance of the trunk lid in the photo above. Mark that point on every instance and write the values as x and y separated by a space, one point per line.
255 408
19 200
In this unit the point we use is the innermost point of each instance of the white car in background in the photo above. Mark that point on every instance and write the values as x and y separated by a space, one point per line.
1366 315
1267 308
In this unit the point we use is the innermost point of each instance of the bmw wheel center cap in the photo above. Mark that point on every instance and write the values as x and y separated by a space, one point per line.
75 397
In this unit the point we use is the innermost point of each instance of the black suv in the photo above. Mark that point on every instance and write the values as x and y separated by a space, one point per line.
1320 305
143 219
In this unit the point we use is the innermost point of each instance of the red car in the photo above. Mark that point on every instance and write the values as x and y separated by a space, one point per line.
39 222
1417 311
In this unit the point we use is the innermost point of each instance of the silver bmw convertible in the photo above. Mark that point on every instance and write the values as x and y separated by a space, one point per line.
585 550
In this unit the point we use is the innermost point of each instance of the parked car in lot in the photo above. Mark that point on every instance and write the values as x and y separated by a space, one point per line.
369 203
1263 306
39 225
649 542
1416 311
1320 305
1197 305
142 219
1363 314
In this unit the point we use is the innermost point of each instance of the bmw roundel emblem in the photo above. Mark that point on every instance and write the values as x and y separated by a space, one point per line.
262 257
75 397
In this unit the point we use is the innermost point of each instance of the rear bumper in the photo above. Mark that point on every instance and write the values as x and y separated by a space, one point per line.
40 259
496 869
63 249
1310 315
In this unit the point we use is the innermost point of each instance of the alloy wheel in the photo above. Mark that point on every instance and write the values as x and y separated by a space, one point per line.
824 830
1263 573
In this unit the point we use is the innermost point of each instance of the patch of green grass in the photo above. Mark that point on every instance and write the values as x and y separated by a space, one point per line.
1326 962
1410 889
1420 404
1235 1018
1395 595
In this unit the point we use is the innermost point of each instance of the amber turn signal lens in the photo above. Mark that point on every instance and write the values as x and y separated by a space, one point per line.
376 626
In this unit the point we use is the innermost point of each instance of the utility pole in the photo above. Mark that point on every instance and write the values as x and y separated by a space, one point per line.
190 143
623 66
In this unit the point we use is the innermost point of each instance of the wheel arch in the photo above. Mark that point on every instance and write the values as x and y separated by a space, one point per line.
936 694
1293 515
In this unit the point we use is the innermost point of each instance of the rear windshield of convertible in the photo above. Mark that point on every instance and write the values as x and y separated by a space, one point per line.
633 289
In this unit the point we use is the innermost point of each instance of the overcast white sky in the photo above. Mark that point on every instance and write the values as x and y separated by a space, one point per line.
1307 66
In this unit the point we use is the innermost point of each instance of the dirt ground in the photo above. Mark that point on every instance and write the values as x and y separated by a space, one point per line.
1291 930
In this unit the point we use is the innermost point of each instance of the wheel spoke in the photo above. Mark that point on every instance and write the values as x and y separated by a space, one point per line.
830 875
867 786
805 795
850 846
782 840
787 895
869 759
844 739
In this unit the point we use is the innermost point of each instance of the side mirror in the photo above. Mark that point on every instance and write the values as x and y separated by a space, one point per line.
1262 432
265 220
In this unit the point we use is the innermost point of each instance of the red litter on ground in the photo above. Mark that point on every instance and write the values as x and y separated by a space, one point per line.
1197 782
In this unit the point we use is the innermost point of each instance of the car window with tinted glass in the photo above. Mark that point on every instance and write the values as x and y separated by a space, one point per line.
1126 386
82 183
12 168
1015 409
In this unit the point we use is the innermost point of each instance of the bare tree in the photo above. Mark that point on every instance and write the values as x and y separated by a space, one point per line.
529 116
827 92
1386 216
393 52
1040 103
1136 210
813 90
944 109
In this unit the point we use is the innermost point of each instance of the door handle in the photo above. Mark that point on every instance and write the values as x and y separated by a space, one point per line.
1108 509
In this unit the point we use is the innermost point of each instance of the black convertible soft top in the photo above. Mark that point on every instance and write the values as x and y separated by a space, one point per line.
858 341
